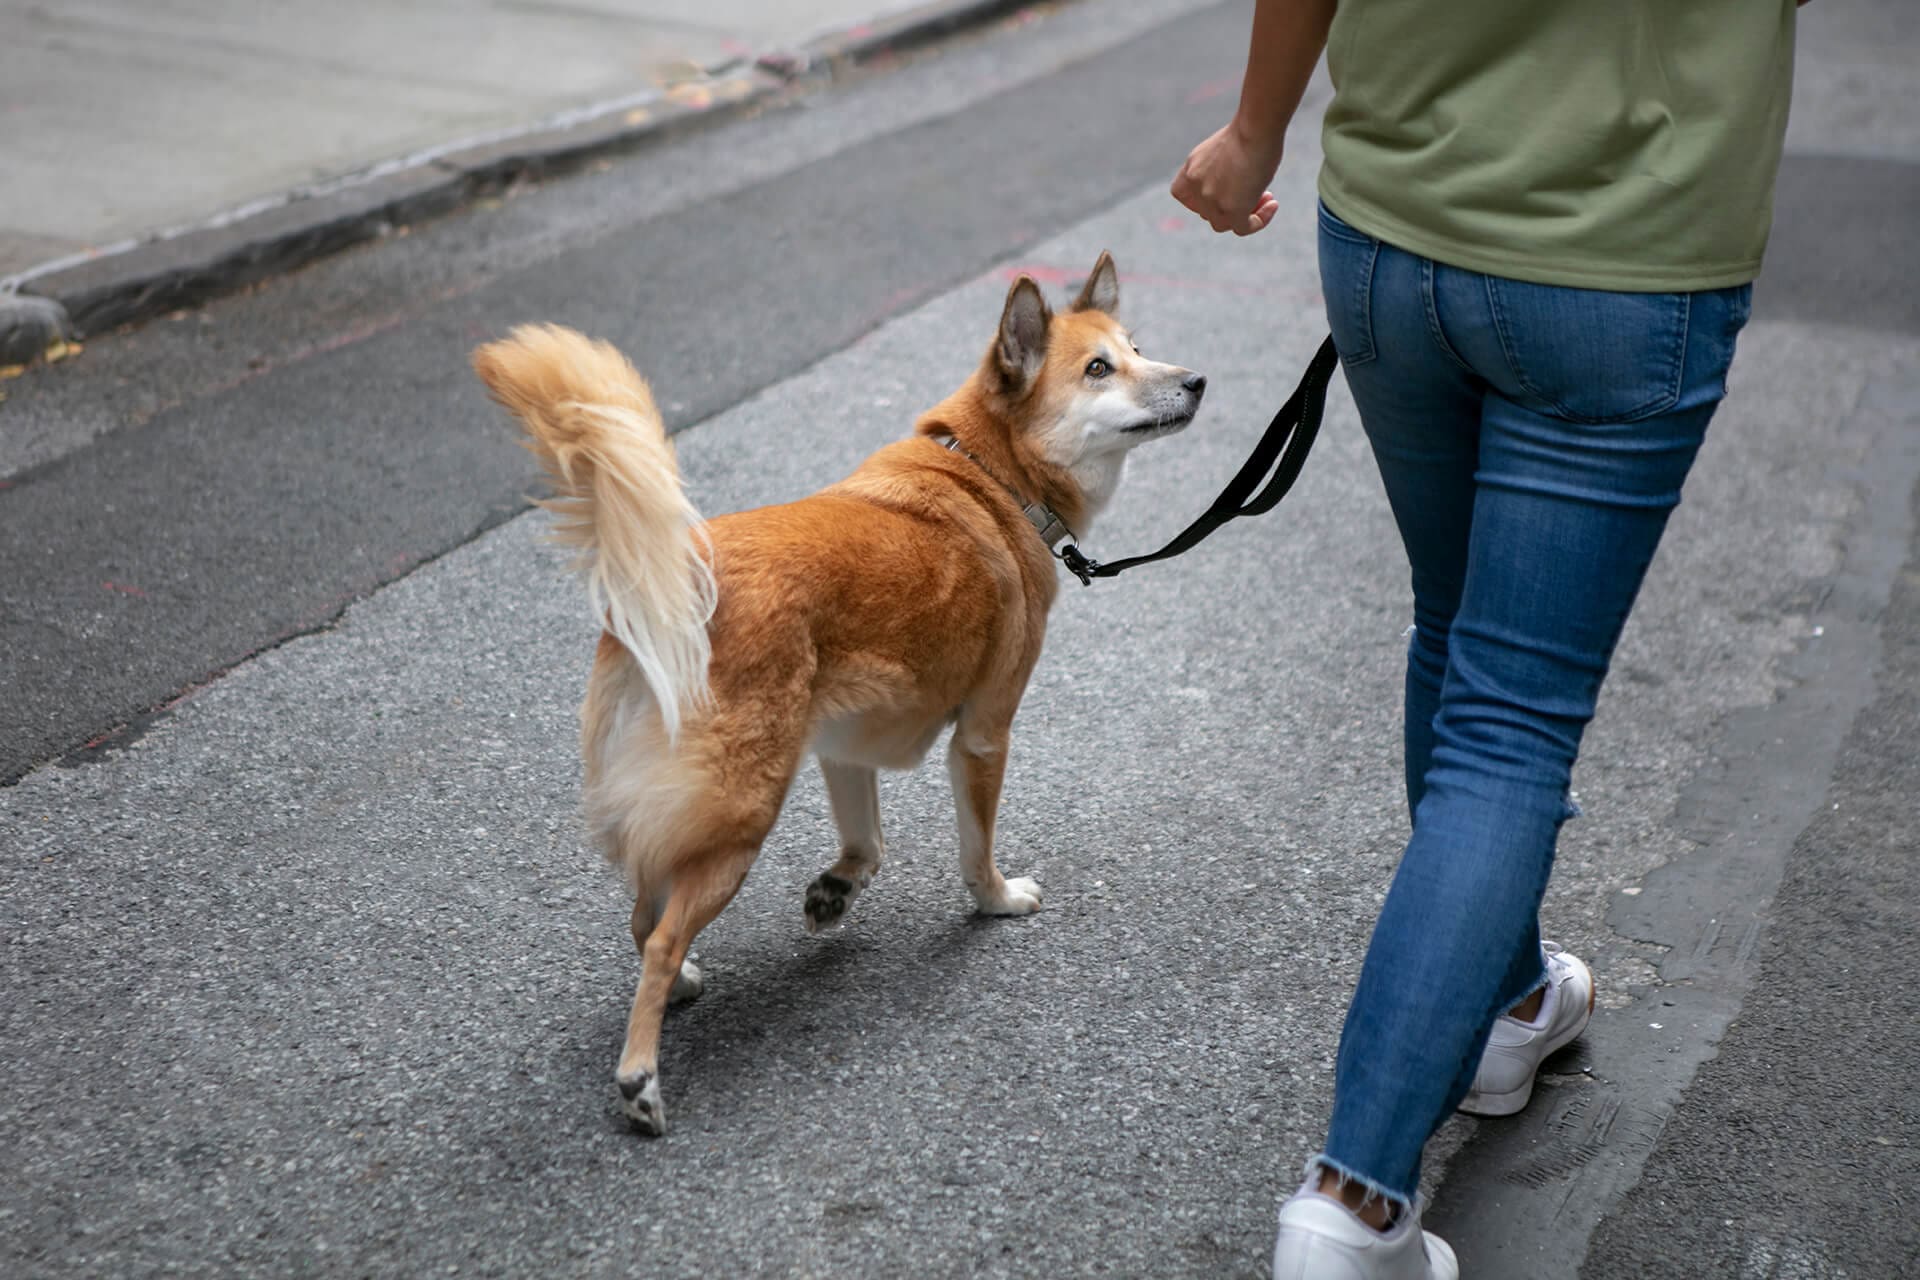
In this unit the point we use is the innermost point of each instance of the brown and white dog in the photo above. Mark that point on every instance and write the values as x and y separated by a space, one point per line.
857 623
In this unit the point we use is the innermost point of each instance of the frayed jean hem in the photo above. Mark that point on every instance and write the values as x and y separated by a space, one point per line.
1323 1163
1538 984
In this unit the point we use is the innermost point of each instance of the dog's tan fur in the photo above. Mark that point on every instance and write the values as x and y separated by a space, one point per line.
859 622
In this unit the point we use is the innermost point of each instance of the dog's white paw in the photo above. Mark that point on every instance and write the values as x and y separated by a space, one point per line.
1021 897
688 985
640 1099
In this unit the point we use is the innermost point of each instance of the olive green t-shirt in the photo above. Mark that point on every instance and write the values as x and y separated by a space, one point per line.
1605 144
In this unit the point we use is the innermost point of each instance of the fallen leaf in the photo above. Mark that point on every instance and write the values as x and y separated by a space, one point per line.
12 370
679 71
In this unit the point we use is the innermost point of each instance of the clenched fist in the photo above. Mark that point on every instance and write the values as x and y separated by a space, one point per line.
1225 181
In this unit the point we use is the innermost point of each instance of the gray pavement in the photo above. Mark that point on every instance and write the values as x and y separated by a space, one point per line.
1797 1150
315 976
123 118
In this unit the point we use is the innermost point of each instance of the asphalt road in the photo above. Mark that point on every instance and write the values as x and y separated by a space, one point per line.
308 972
1797 1151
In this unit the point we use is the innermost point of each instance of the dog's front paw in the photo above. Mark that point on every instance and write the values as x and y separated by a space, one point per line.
1019 897
640 1099
828 898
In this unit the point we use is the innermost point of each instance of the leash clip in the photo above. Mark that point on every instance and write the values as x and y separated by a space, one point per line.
1077 564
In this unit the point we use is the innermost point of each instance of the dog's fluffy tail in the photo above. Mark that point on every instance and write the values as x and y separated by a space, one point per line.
591 420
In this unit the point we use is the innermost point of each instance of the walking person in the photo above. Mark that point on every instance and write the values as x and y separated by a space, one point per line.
1538 227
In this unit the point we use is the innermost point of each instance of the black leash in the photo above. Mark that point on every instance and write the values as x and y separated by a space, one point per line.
1288 439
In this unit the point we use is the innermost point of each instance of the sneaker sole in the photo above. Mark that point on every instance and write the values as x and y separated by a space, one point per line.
1515 1100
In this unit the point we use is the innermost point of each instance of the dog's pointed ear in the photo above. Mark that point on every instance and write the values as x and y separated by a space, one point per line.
1022 345
1101 292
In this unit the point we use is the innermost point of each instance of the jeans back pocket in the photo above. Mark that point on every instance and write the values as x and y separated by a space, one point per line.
1588 355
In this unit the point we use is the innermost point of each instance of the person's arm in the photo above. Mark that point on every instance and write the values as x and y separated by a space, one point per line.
1224 180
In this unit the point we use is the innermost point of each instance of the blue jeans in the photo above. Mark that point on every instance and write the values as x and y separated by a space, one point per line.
1532 440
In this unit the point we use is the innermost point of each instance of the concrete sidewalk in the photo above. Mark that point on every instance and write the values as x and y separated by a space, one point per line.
160 152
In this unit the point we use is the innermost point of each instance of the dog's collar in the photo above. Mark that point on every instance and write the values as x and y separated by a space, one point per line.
1043 517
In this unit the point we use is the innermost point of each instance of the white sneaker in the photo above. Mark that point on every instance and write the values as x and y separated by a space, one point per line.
1516 1049
1322 1239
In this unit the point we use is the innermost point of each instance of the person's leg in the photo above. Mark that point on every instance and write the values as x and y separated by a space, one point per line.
1420 406
1599 405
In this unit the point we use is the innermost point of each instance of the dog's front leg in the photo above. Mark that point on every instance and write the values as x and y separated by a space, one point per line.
854 792
976 762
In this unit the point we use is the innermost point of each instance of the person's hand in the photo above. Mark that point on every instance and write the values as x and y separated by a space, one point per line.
1225 181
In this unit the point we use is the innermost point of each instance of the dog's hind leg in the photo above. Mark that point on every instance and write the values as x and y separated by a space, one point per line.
854 792
687 985
698 892
976 763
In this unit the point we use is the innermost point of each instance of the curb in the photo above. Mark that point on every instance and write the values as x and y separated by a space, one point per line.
28 326
171 271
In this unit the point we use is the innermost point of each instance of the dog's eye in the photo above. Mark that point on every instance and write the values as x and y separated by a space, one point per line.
1098 368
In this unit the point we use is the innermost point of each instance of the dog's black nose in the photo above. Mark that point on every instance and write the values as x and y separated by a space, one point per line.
1194 382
